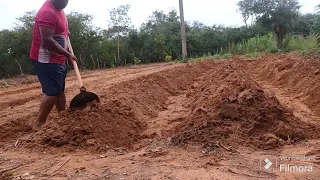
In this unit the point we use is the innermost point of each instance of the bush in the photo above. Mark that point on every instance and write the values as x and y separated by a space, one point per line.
300 43
136 60
264 43
267 44
227 56
216 56
168 58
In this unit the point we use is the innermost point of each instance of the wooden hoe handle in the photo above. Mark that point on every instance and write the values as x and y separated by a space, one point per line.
75 65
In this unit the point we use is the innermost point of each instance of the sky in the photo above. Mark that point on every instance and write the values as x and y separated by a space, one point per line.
209 12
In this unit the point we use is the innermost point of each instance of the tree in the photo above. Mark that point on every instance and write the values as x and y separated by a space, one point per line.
161 36
119 23
278 15
85 38
246 9
316 21
303 25
316 24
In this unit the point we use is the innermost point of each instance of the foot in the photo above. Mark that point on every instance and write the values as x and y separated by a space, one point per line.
36 126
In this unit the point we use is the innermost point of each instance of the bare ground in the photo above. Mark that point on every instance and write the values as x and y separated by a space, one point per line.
165 121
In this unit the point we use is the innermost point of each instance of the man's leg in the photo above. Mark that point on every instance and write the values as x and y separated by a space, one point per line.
61 102
50 78
46 106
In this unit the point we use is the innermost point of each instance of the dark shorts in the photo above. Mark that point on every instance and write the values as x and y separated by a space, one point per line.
51 76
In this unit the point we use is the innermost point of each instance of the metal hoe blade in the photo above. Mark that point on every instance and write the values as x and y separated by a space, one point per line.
83 98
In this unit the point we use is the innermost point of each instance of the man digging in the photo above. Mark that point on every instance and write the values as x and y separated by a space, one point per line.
48 54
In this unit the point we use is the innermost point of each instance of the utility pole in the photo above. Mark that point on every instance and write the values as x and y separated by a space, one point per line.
183 32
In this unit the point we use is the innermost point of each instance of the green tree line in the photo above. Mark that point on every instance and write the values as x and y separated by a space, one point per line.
159 37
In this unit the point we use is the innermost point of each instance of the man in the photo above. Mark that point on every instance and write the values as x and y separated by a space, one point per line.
48 54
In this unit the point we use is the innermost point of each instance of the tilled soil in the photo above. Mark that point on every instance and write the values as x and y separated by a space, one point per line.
229 106
206 120
298 76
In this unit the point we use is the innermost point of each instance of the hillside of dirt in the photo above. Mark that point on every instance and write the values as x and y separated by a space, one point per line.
203 119
229 107
298 76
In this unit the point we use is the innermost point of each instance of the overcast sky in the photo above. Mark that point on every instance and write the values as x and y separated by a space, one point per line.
208 12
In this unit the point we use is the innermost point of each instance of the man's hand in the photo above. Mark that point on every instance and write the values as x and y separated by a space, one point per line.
71 57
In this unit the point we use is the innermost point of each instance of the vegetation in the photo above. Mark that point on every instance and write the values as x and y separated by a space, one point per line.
266 44
300 31
274 27
277 15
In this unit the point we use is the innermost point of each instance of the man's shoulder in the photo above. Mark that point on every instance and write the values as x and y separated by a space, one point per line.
47 7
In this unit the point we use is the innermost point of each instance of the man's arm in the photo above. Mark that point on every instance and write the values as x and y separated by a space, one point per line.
49 43
47 22
52 45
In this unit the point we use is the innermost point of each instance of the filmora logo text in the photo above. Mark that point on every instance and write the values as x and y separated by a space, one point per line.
292 168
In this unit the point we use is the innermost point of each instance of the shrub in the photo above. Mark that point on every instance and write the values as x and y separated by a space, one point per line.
168 58
136 61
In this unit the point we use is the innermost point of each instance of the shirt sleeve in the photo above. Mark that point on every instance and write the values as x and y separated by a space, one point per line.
47 19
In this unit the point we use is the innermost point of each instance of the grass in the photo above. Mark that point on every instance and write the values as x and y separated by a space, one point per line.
264 43
267 44
303 44
261 45
214 57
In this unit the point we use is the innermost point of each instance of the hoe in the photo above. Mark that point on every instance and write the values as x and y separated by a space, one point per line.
83 97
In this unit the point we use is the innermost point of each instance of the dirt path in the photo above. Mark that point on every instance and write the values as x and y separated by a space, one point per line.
164 98
173 114
292 102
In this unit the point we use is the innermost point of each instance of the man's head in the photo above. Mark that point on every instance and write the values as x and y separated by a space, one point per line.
60 4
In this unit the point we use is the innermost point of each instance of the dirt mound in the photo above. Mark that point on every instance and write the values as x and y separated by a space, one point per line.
298 76
229 107
147 95
312 55
99 126
120 117
15 128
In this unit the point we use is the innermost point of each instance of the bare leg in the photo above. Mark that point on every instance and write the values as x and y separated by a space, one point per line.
61 102
46 106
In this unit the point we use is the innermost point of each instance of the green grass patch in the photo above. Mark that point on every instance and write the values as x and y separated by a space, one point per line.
264 43
215 57
260 45
303 44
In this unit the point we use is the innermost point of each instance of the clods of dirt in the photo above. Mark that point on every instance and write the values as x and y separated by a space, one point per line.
228 106
96 127
229 111
299 76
